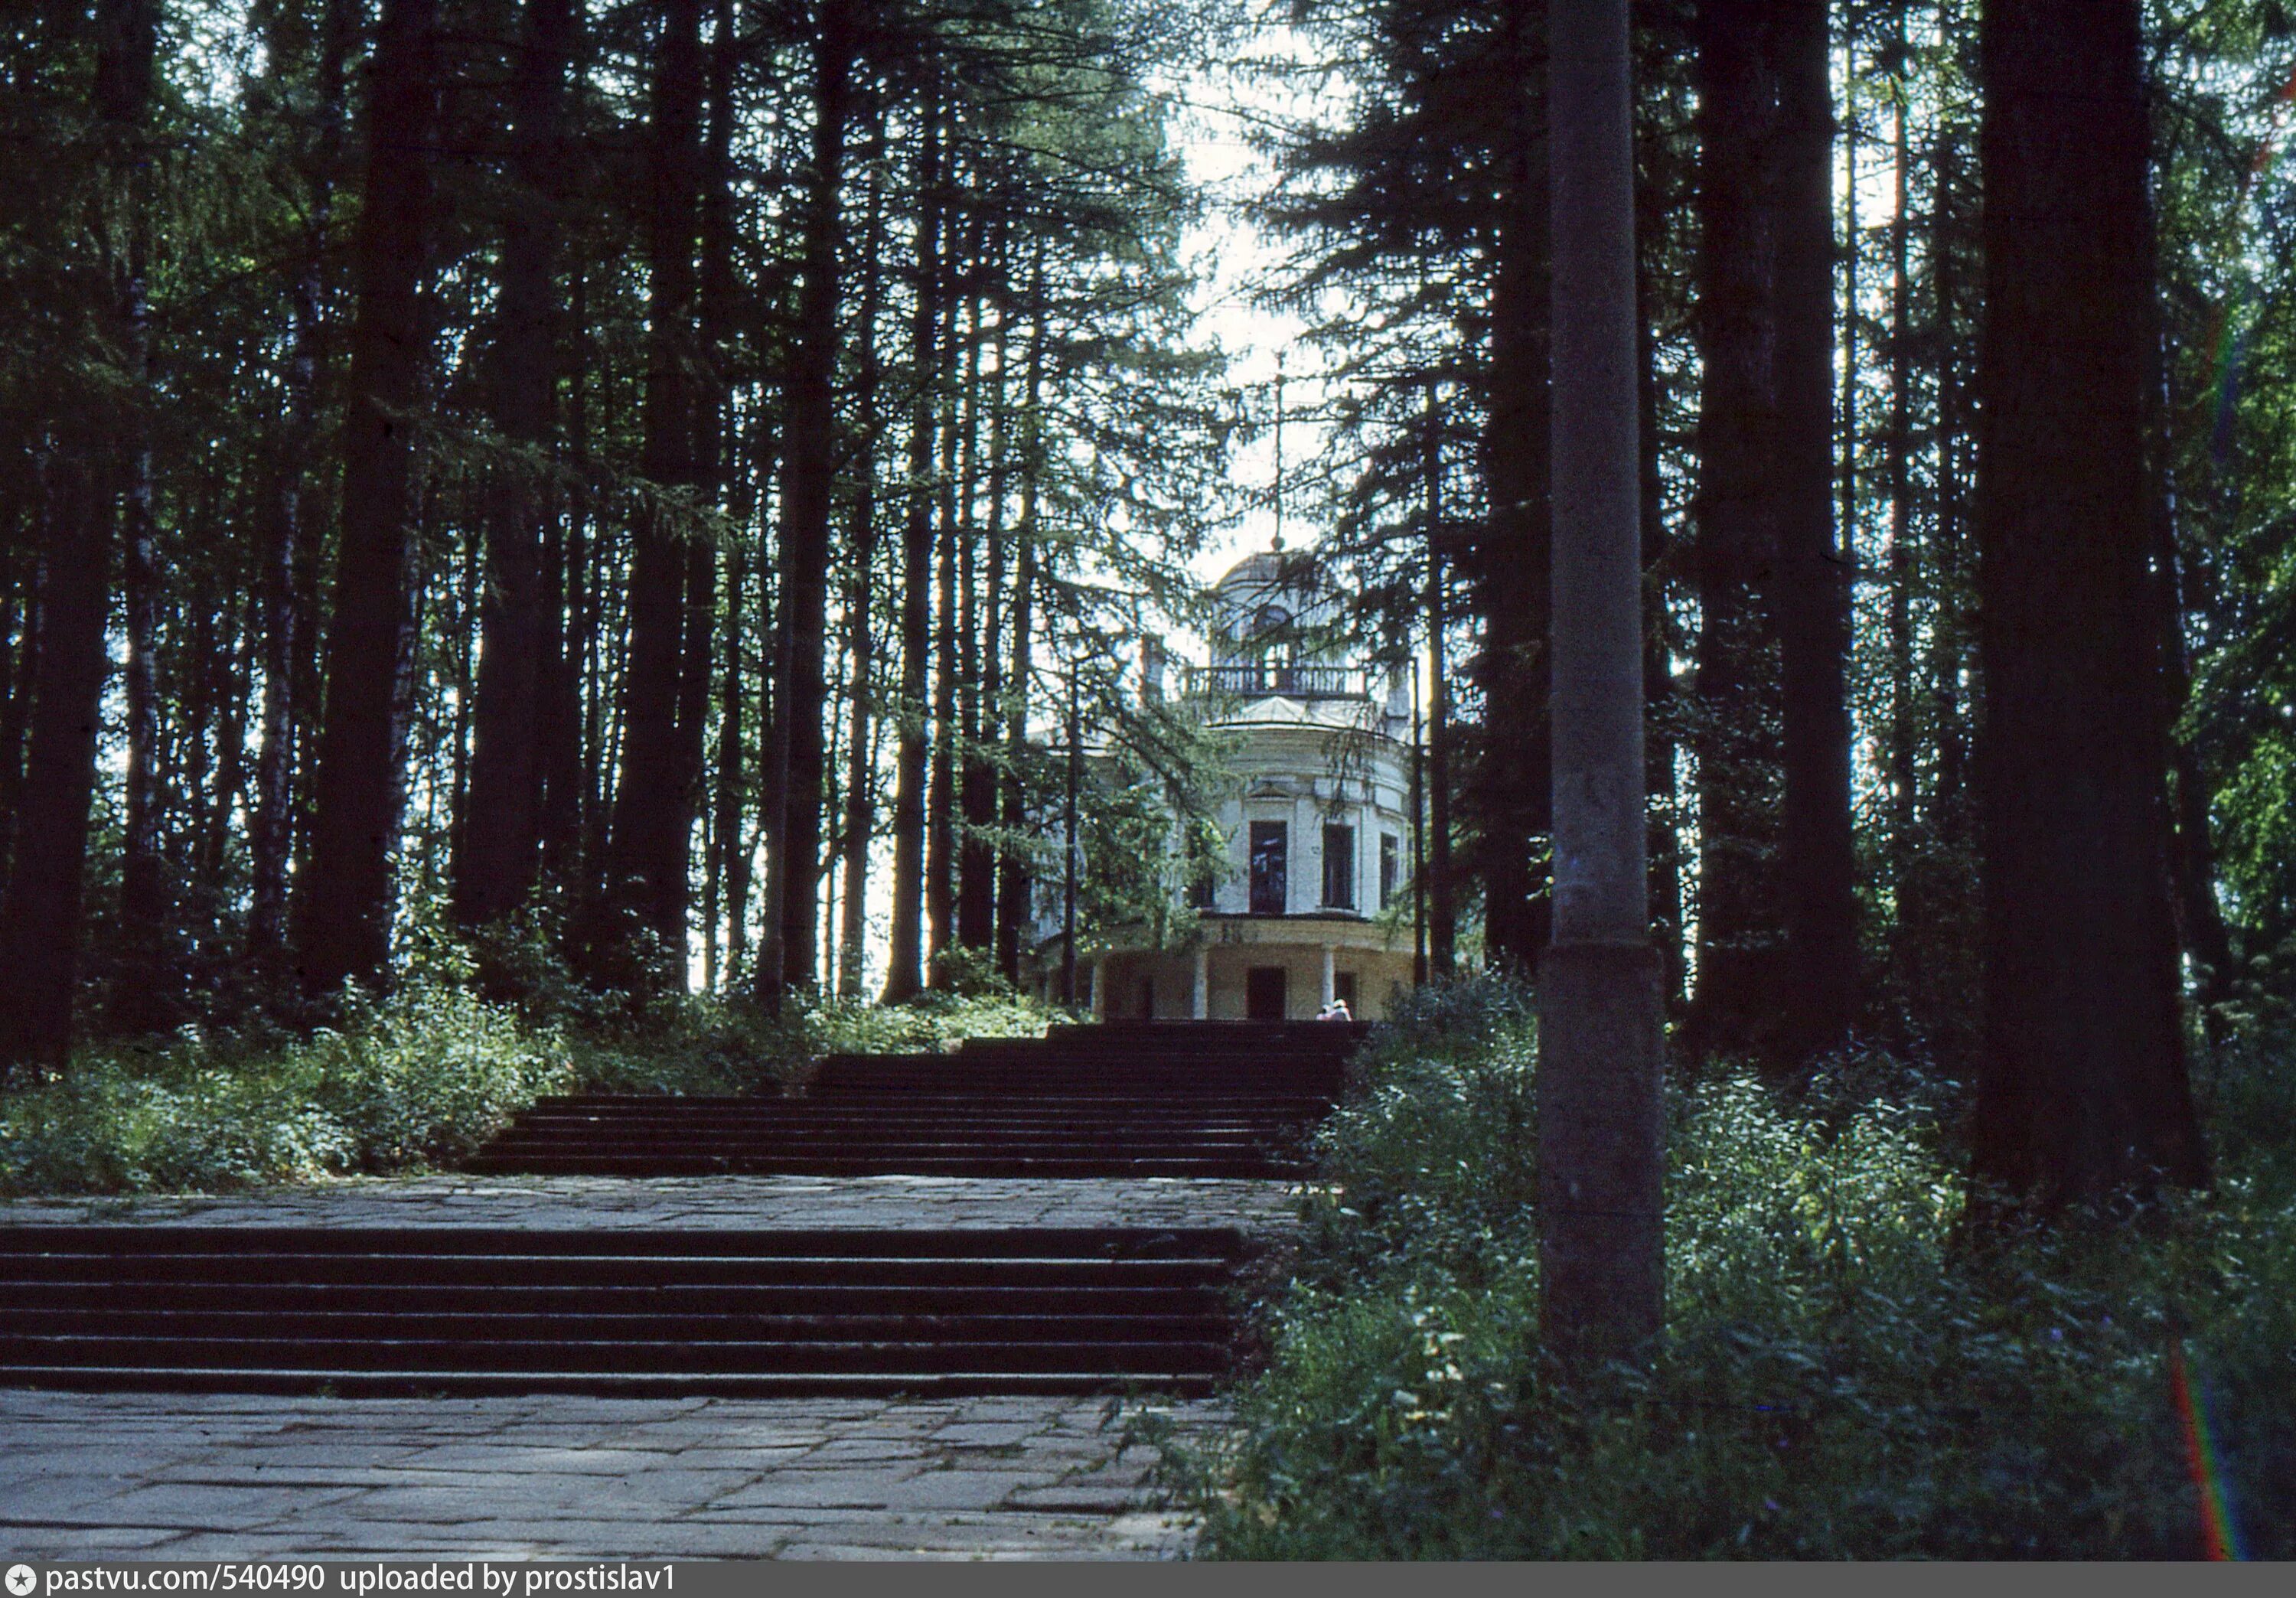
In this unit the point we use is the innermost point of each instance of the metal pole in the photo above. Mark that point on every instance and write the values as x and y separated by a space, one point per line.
1600 1039
1069 815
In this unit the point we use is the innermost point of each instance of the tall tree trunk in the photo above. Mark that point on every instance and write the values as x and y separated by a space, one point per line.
1512 558
976 903
1013 870
981 787
807 480
904 975
569 633
1735 730
501 830
652 837
1819 855
40 912
2082 1087
861 593
23 667
940 796
290 550
1442 904
126 34
344 902
1903 797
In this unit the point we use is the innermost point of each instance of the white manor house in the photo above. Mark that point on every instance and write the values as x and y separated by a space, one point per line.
1318 829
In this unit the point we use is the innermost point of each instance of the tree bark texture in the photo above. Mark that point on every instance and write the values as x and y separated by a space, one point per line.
807 480
1812 604
1734 728
1512 557
501 824
650 842
2082 1087
40 913
904 974
344 905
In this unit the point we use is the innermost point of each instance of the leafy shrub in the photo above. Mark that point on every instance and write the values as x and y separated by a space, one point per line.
424 1075
1850 1368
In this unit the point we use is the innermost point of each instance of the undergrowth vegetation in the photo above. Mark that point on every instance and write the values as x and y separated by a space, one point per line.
1854 1365
422 1075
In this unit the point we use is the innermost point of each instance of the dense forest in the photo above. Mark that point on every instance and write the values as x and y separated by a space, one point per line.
620 479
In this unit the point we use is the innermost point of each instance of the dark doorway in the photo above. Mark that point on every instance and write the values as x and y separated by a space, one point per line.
1344 989
1264 994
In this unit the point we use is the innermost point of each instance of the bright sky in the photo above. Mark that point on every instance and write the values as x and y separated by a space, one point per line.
1219 110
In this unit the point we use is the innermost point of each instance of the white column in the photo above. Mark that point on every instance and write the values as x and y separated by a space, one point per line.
1199 998
1331 978
1099 987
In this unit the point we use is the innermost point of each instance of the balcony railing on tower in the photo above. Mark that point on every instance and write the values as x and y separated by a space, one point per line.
1292 681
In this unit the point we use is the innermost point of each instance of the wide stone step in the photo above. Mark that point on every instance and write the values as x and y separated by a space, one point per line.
456 1310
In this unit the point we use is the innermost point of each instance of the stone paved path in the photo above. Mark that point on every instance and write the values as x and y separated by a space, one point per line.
171 1476
718 1201
206 1477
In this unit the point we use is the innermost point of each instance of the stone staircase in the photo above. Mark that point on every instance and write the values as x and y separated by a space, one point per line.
460 1308
1169 1099
457 1310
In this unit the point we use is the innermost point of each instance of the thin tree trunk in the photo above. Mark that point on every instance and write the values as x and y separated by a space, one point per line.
904 975
1513 769
861 597
651 831
1442 904
941 798
1819 857
1012 871
1740 946
126 35
344 901
808 481
40 913
2082 1088
501 828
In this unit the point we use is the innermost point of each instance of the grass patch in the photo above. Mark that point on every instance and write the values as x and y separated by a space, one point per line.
1847 1371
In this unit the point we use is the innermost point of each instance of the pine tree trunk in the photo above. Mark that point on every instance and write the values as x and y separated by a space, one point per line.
1442 904
344 901
940 796
1512 558
861 597
1735 730
808 480
651 830
1012 871
1819 857
904 975
40 912
501 829
2082 1088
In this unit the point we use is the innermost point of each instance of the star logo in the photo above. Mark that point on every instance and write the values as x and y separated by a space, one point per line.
21 1580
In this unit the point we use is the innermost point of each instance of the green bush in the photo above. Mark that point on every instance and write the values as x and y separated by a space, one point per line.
1851 1369
422 1076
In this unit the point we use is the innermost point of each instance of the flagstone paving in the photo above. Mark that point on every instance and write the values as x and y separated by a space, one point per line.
199 1477
180 1476
556 1202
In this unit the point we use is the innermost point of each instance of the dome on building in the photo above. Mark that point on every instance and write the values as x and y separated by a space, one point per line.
1273 599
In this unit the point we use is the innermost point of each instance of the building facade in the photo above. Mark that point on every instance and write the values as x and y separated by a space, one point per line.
1311 907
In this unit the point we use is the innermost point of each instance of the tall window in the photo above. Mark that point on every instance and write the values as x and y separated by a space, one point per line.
1270 840
1339 868
1389 867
